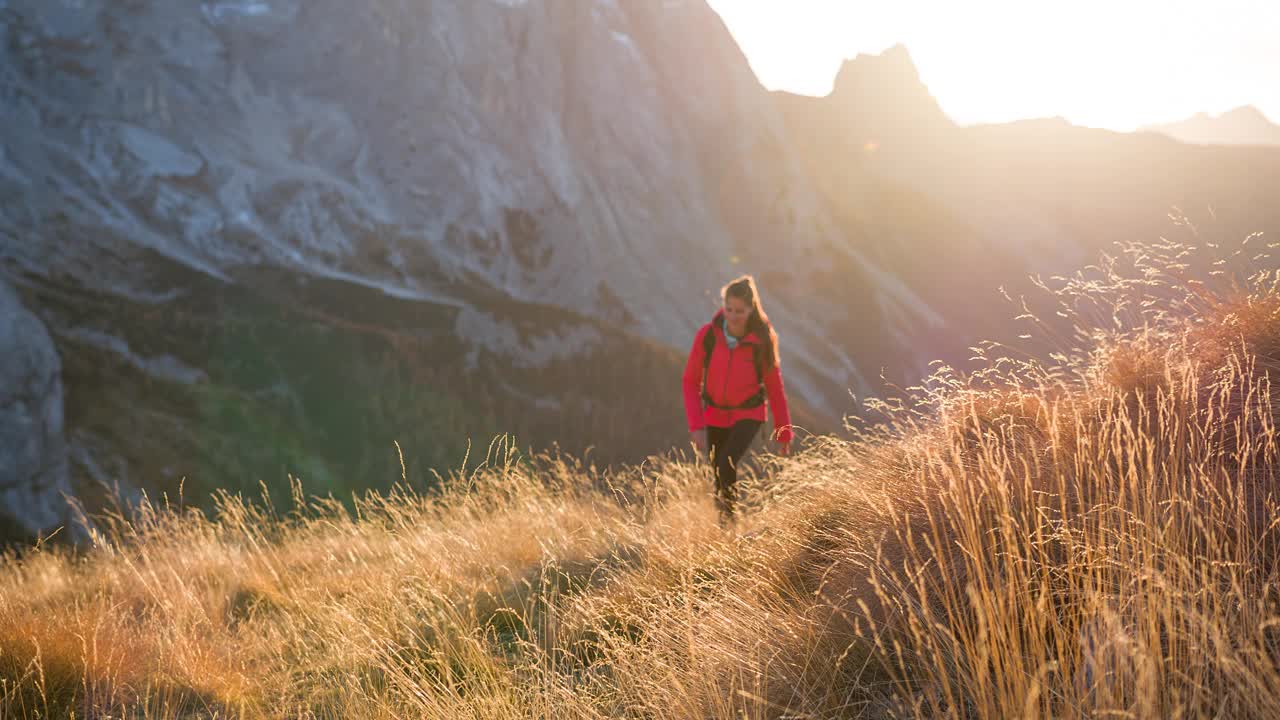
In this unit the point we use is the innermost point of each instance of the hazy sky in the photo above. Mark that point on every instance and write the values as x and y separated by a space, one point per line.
1104 63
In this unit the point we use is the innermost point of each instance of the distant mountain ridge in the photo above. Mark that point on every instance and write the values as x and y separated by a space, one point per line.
1245 125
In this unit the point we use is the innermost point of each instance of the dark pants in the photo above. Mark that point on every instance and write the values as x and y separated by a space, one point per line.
727 448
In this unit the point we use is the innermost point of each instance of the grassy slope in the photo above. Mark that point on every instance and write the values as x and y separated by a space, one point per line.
1089 538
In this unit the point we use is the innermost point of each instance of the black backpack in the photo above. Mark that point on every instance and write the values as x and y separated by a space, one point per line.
709 344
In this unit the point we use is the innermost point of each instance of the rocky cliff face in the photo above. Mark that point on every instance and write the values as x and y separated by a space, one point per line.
268 236
33 465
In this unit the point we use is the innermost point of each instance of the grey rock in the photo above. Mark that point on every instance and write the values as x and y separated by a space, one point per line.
160 157
163 367
33 451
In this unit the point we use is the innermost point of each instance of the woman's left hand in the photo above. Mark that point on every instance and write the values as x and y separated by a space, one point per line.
784 448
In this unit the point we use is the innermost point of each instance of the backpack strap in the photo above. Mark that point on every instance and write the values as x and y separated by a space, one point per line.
708 345
757 359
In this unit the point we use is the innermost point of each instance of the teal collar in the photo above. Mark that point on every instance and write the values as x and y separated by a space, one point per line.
729 340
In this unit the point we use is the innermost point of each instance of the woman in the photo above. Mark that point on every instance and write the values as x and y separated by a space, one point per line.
732 369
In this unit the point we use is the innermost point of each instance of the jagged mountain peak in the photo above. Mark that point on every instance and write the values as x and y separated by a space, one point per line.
878 101
892 64
888 86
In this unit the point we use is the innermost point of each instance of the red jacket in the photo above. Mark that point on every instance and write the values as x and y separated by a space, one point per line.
731 379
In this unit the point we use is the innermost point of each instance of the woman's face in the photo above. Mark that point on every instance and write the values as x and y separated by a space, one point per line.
736 312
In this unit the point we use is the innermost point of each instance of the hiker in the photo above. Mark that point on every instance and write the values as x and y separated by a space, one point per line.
732 369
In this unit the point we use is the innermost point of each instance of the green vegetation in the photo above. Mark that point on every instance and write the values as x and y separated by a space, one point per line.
325 406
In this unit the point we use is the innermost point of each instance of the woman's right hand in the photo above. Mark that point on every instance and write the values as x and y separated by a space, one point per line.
699 438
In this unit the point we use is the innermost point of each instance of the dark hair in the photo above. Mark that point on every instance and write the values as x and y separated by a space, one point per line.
744 288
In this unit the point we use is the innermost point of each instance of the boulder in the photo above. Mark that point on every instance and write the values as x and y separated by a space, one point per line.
33 450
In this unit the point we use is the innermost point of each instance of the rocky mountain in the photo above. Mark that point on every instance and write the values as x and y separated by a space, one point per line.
1245 125
253 238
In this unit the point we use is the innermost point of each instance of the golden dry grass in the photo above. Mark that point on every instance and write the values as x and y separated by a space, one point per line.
1091 539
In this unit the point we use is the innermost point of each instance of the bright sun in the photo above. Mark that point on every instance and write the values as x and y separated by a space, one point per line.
1096 62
